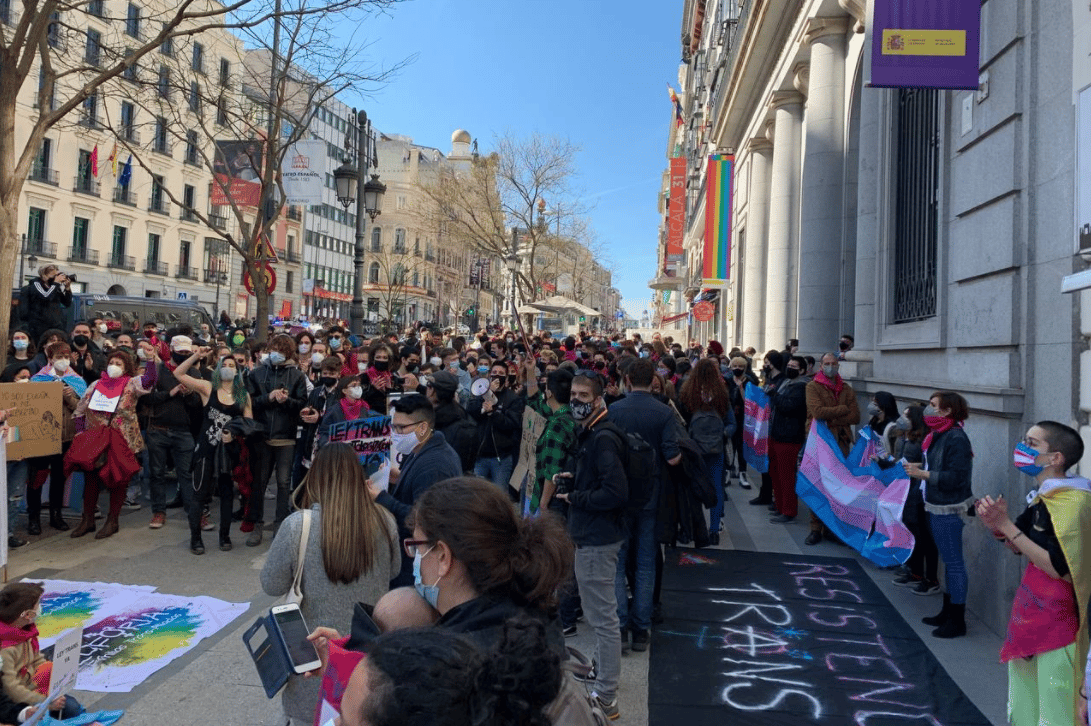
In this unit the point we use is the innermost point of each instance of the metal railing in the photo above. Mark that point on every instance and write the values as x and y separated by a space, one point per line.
83 255
295 214
186 272
916 211
218 221
41 247
125 195
131 135
212 276
86 185
43 174
293 256
188 215
159 206
155 267
122 262
162 146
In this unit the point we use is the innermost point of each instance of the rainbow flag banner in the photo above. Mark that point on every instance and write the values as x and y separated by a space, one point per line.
129 631
718 209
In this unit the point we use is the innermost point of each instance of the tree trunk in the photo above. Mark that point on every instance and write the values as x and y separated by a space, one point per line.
9 260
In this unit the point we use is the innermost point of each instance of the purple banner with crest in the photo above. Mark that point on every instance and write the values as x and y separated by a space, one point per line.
926 44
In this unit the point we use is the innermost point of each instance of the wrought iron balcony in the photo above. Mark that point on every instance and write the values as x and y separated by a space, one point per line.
125 195
159 206
186 272
218 221
41 248
45 175
293 256
215 277
86 185
83 255
155 267
295 214
121 262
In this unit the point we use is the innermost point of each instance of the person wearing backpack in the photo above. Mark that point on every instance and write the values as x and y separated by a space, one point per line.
597 494
706 406
653 421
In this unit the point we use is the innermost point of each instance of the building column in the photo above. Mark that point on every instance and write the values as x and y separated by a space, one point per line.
757 232
822 200
783 221
868 219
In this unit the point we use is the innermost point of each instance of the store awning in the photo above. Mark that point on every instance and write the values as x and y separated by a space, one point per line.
328 295
560 303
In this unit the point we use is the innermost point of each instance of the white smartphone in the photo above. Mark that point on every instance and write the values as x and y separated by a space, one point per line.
294 632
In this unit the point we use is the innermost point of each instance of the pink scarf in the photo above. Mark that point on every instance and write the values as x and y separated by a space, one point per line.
836 385
111 387
945 425
376 376
353 409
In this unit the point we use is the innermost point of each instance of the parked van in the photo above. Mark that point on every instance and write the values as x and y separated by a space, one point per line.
128 314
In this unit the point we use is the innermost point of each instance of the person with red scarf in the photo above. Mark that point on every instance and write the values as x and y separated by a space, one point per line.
832 400
945 483
109 405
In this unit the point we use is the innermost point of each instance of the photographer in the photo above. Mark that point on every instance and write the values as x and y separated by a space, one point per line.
43 299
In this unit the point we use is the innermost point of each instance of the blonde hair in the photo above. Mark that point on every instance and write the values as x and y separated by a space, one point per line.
352 523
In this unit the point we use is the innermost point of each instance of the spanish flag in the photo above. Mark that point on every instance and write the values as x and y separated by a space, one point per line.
677 105
113 160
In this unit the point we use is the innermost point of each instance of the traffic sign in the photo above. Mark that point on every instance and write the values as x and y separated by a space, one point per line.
270 279
703 311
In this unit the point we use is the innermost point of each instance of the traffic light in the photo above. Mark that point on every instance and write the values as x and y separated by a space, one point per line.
583 318
470 310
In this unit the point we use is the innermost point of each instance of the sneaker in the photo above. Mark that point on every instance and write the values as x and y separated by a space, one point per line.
906 580
924 587
158 520
14 542
782 519
744 483
131 504
254 539
570 631
206 522
271 494
609 708
98 512
641 638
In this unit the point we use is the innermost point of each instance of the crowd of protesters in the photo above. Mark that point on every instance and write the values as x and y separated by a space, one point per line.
455 534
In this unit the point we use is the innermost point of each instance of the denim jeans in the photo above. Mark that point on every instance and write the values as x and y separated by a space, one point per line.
947 531
179 444
18 480
640 545
716 469
265 460
596 574
72 707
498 471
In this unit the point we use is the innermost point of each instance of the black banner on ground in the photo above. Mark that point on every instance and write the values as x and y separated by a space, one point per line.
771 639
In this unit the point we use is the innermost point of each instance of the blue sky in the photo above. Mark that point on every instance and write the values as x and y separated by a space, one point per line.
594 71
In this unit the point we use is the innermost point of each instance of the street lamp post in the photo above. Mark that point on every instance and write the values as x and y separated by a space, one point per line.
369 199
512 262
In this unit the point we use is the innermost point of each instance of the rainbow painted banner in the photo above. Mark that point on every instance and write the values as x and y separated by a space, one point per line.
857 499
718 198
129 631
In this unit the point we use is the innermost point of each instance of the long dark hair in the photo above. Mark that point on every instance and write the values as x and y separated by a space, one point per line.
435 677
705 389
888 406
526 559
917 428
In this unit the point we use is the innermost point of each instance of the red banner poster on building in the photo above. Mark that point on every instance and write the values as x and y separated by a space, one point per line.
676 210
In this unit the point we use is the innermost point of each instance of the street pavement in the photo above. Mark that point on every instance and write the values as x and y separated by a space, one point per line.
216 681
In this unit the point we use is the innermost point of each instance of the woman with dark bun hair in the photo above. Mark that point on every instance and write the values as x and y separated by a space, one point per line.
434 677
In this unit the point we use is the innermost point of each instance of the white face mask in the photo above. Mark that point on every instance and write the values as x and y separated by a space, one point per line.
304 348
114 371
354 392
227 374
141 354
316 359
102 328
61 366
362 367
436 362
403 443
264 357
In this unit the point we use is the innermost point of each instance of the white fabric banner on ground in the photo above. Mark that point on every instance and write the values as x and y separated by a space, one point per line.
66 605
132 632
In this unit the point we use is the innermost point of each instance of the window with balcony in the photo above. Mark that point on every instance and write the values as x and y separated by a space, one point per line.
373 273
162 86
376 239
85 174
161 143
117 246
399 241
152 264
35 226
128 122
53 31
221 111
225 72
167 47
193 155
132 21
194 97
197 62
95 7
132 71
157 202
185 253
89 115
81 235
189 199
41 169
93 53
289 281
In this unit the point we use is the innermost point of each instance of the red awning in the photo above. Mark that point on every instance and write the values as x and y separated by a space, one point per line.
328 295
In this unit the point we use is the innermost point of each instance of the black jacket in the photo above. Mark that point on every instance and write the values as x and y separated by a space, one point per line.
320 400
9 709
435 462
42 305
501 428
600 489
181 413
89 371
950 460
280 419
459 430
789 401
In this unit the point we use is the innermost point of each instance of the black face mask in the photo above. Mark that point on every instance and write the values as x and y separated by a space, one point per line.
80 340
380 365
738 372
412 367
843 345
179 357
328 381
792 373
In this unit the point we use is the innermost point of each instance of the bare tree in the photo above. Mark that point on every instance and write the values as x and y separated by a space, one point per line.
392 274
47 36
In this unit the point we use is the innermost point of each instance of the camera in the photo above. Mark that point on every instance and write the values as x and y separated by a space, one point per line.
564 483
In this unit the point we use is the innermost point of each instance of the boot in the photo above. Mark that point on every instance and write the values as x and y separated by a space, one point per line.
34 525
109 528
955 625
86 525
56 521
943 614
196 545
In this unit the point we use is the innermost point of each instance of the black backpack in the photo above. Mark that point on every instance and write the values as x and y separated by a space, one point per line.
462 436
641 467
707 430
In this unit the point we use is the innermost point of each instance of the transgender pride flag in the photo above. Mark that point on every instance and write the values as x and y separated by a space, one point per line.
757 413
859 501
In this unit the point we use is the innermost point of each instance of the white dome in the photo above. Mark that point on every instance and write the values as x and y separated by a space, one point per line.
461 136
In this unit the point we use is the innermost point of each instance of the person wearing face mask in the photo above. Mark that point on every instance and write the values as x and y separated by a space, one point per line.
219 459
420 457
108 411
787 434
499 417
173 409
833 401
22 350
41 301
555 445
279 393
946 478
381 377
59 369
409 358
922 567
351 553
322 397
348 405
882 412
237 338
304 344
151 334
772 376
736 389
451 418
87 359
1047 638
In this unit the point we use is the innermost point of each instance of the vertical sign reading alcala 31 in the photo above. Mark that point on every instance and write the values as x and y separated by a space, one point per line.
302 172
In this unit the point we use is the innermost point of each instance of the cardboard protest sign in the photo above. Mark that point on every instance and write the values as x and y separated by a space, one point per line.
522 477
34 418
369 436
66 662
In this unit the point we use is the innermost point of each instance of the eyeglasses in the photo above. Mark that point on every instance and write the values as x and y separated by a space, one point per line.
412 545
403 428
593 375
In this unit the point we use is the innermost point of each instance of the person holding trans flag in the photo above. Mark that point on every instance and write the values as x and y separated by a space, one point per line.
833 401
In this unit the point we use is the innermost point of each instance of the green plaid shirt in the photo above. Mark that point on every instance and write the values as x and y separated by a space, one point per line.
555 446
